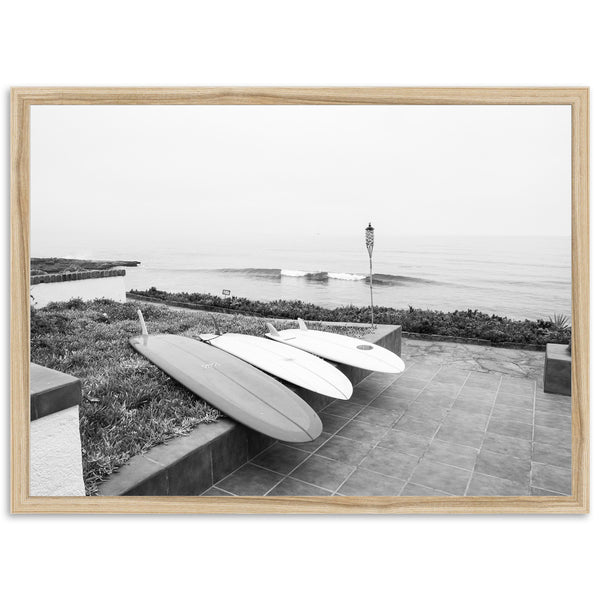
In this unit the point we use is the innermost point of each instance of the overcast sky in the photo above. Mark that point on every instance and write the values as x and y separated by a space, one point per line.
105 174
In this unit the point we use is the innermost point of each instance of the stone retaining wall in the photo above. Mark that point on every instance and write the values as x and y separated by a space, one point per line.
75 276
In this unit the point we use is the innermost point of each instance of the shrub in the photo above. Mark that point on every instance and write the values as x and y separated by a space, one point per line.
460 323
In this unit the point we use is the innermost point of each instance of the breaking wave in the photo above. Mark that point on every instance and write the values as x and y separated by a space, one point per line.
378 278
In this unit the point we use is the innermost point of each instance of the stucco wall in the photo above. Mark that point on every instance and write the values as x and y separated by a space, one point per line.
55 455
112 288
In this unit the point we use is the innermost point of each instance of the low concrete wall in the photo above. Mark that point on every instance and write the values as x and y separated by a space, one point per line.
188 465
87 285
557 369
55 455
55 465
191 464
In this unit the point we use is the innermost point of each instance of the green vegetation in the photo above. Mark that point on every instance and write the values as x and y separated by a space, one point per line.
43 266
460 323
128 405
560 321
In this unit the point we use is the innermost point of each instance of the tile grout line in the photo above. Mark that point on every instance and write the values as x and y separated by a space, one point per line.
290 476
438 428
532 435
362 406
444 441
471 471
552 492
398 419
310 455
336 433
388 429
339 487
353 418
548 489
224 491
212 470
242 465
535 384
391 427
404 453
485 430
249 461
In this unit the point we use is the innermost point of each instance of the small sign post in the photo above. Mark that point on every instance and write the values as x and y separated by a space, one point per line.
226 292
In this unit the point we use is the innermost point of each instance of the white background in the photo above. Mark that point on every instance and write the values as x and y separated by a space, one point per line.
297 43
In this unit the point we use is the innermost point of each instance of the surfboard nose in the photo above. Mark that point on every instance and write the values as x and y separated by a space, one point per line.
393 364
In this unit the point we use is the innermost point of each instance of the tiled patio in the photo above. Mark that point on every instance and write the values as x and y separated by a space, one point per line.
461 420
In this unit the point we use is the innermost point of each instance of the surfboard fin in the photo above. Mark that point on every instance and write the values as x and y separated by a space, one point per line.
217 328
302 324
272 330
143 324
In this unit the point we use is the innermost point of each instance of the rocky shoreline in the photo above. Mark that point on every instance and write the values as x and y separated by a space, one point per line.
49 266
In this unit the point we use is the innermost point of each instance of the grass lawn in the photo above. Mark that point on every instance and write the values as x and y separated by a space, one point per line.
128 404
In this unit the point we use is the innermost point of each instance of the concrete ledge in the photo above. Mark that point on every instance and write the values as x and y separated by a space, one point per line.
189 465
55 466
51 391
557 370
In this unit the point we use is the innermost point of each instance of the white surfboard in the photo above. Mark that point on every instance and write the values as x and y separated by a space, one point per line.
285 362
339 348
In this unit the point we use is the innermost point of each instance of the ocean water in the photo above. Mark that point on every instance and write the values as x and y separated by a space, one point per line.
518 277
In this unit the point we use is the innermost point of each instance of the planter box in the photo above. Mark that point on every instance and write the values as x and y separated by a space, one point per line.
557 370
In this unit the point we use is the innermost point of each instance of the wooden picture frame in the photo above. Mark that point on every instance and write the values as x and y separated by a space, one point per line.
22 99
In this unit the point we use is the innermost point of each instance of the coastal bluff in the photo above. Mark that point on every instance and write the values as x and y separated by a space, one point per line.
49 266
62 279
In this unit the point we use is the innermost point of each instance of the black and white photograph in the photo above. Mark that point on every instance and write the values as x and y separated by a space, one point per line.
300 300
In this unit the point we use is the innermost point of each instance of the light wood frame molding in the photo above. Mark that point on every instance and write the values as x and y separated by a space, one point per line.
22 99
